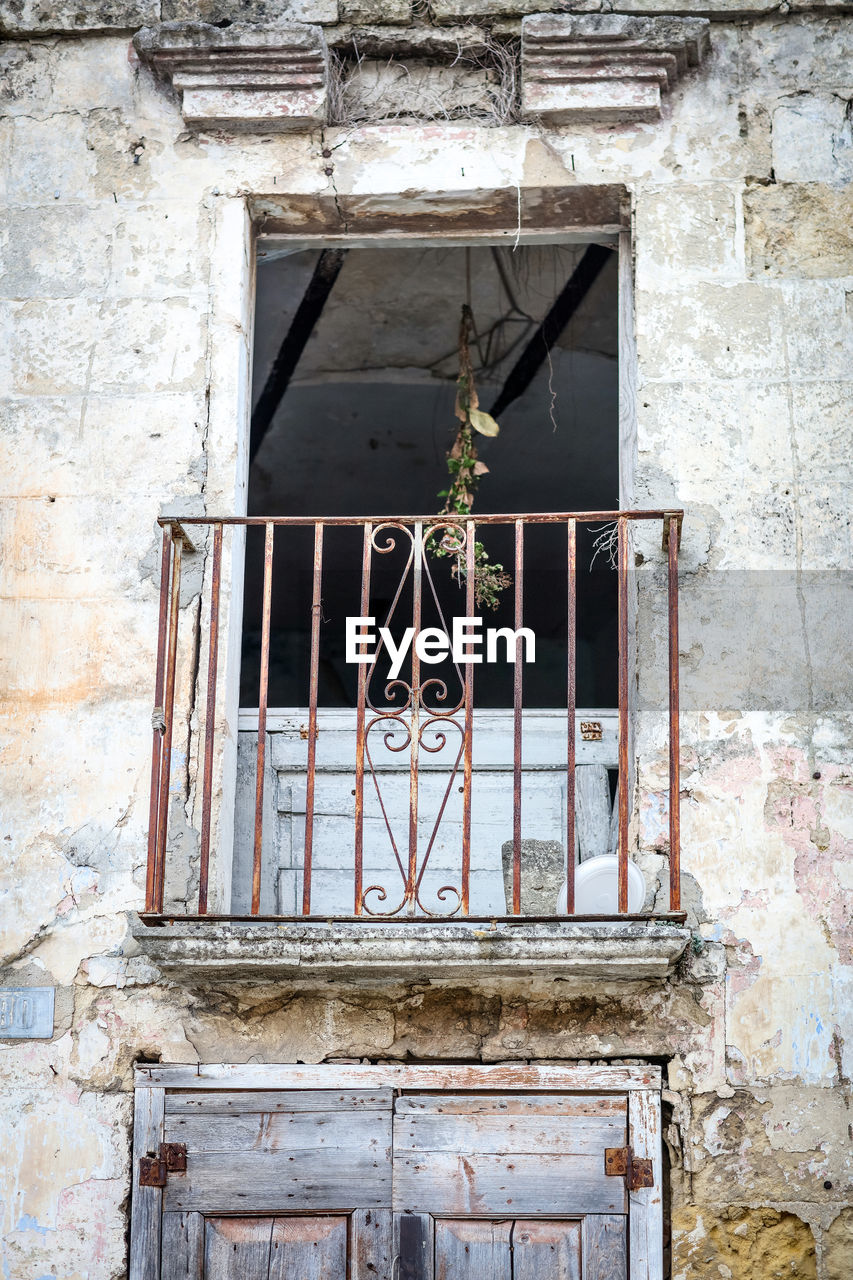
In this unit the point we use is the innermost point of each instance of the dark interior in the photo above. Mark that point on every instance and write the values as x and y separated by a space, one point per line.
363 427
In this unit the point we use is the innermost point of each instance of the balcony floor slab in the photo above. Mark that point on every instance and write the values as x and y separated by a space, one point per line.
362 952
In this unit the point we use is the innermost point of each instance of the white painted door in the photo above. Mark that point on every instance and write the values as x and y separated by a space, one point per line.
386 806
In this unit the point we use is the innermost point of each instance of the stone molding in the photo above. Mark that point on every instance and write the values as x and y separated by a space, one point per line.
242 78
584 68
365 951
611 68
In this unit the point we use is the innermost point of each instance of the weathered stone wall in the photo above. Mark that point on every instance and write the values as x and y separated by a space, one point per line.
126 300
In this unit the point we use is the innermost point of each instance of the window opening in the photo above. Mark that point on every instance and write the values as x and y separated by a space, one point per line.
359 420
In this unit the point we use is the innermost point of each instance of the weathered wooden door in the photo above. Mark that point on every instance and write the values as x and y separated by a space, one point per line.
543 781
495 1187
403 1183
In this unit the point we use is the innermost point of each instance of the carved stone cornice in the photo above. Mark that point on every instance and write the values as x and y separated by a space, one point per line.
604 67
242 78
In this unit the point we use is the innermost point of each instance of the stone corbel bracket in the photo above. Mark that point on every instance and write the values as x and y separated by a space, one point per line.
241 78
611 68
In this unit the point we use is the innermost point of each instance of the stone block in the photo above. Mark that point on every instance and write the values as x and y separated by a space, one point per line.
742 1243
54 251
44 535
168 337
714 331
32 17
743 436
731 1157
783 56
813 139
799 229
65 346
26 78
605 67
380 11
7 130
50 160
241 78
66 652
160 249
464 10
245 11
543 865
818 328
145 444
460 10
50 345
42 78
367 952
685 229
838 1247
822 413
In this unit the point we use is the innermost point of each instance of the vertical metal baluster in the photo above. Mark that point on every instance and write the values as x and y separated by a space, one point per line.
359 731
157 732
316 611
210 720
471 535
623 712
168 716
674 731
414 723
516 723
262 719
571 699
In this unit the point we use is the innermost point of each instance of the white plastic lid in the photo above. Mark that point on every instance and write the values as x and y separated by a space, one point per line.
597 887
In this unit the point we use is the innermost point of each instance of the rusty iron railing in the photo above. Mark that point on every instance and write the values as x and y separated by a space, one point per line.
414 706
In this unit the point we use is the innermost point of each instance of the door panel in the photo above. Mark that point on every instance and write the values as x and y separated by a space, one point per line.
317 1153
605 1248
220 1248
308 1249
494 1154
548 1251
282 1132
468 1249
372 1244
182 1247
472 1250
535 1185
237 1248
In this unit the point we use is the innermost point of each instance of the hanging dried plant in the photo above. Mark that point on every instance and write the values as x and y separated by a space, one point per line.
465 470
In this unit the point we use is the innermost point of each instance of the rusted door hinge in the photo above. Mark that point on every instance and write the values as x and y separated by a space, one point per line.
153 1170
620 1162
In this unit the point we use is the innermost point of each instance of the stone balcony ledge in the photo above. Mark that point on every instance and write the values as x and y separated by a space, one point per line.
366 951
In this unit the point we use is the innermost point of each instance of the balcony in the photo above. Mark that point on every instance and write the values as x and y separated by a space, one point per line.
431 823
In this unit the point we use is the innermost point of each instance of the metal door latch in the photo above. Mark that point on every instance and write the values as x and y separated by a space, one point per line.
153 1170
620 1162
